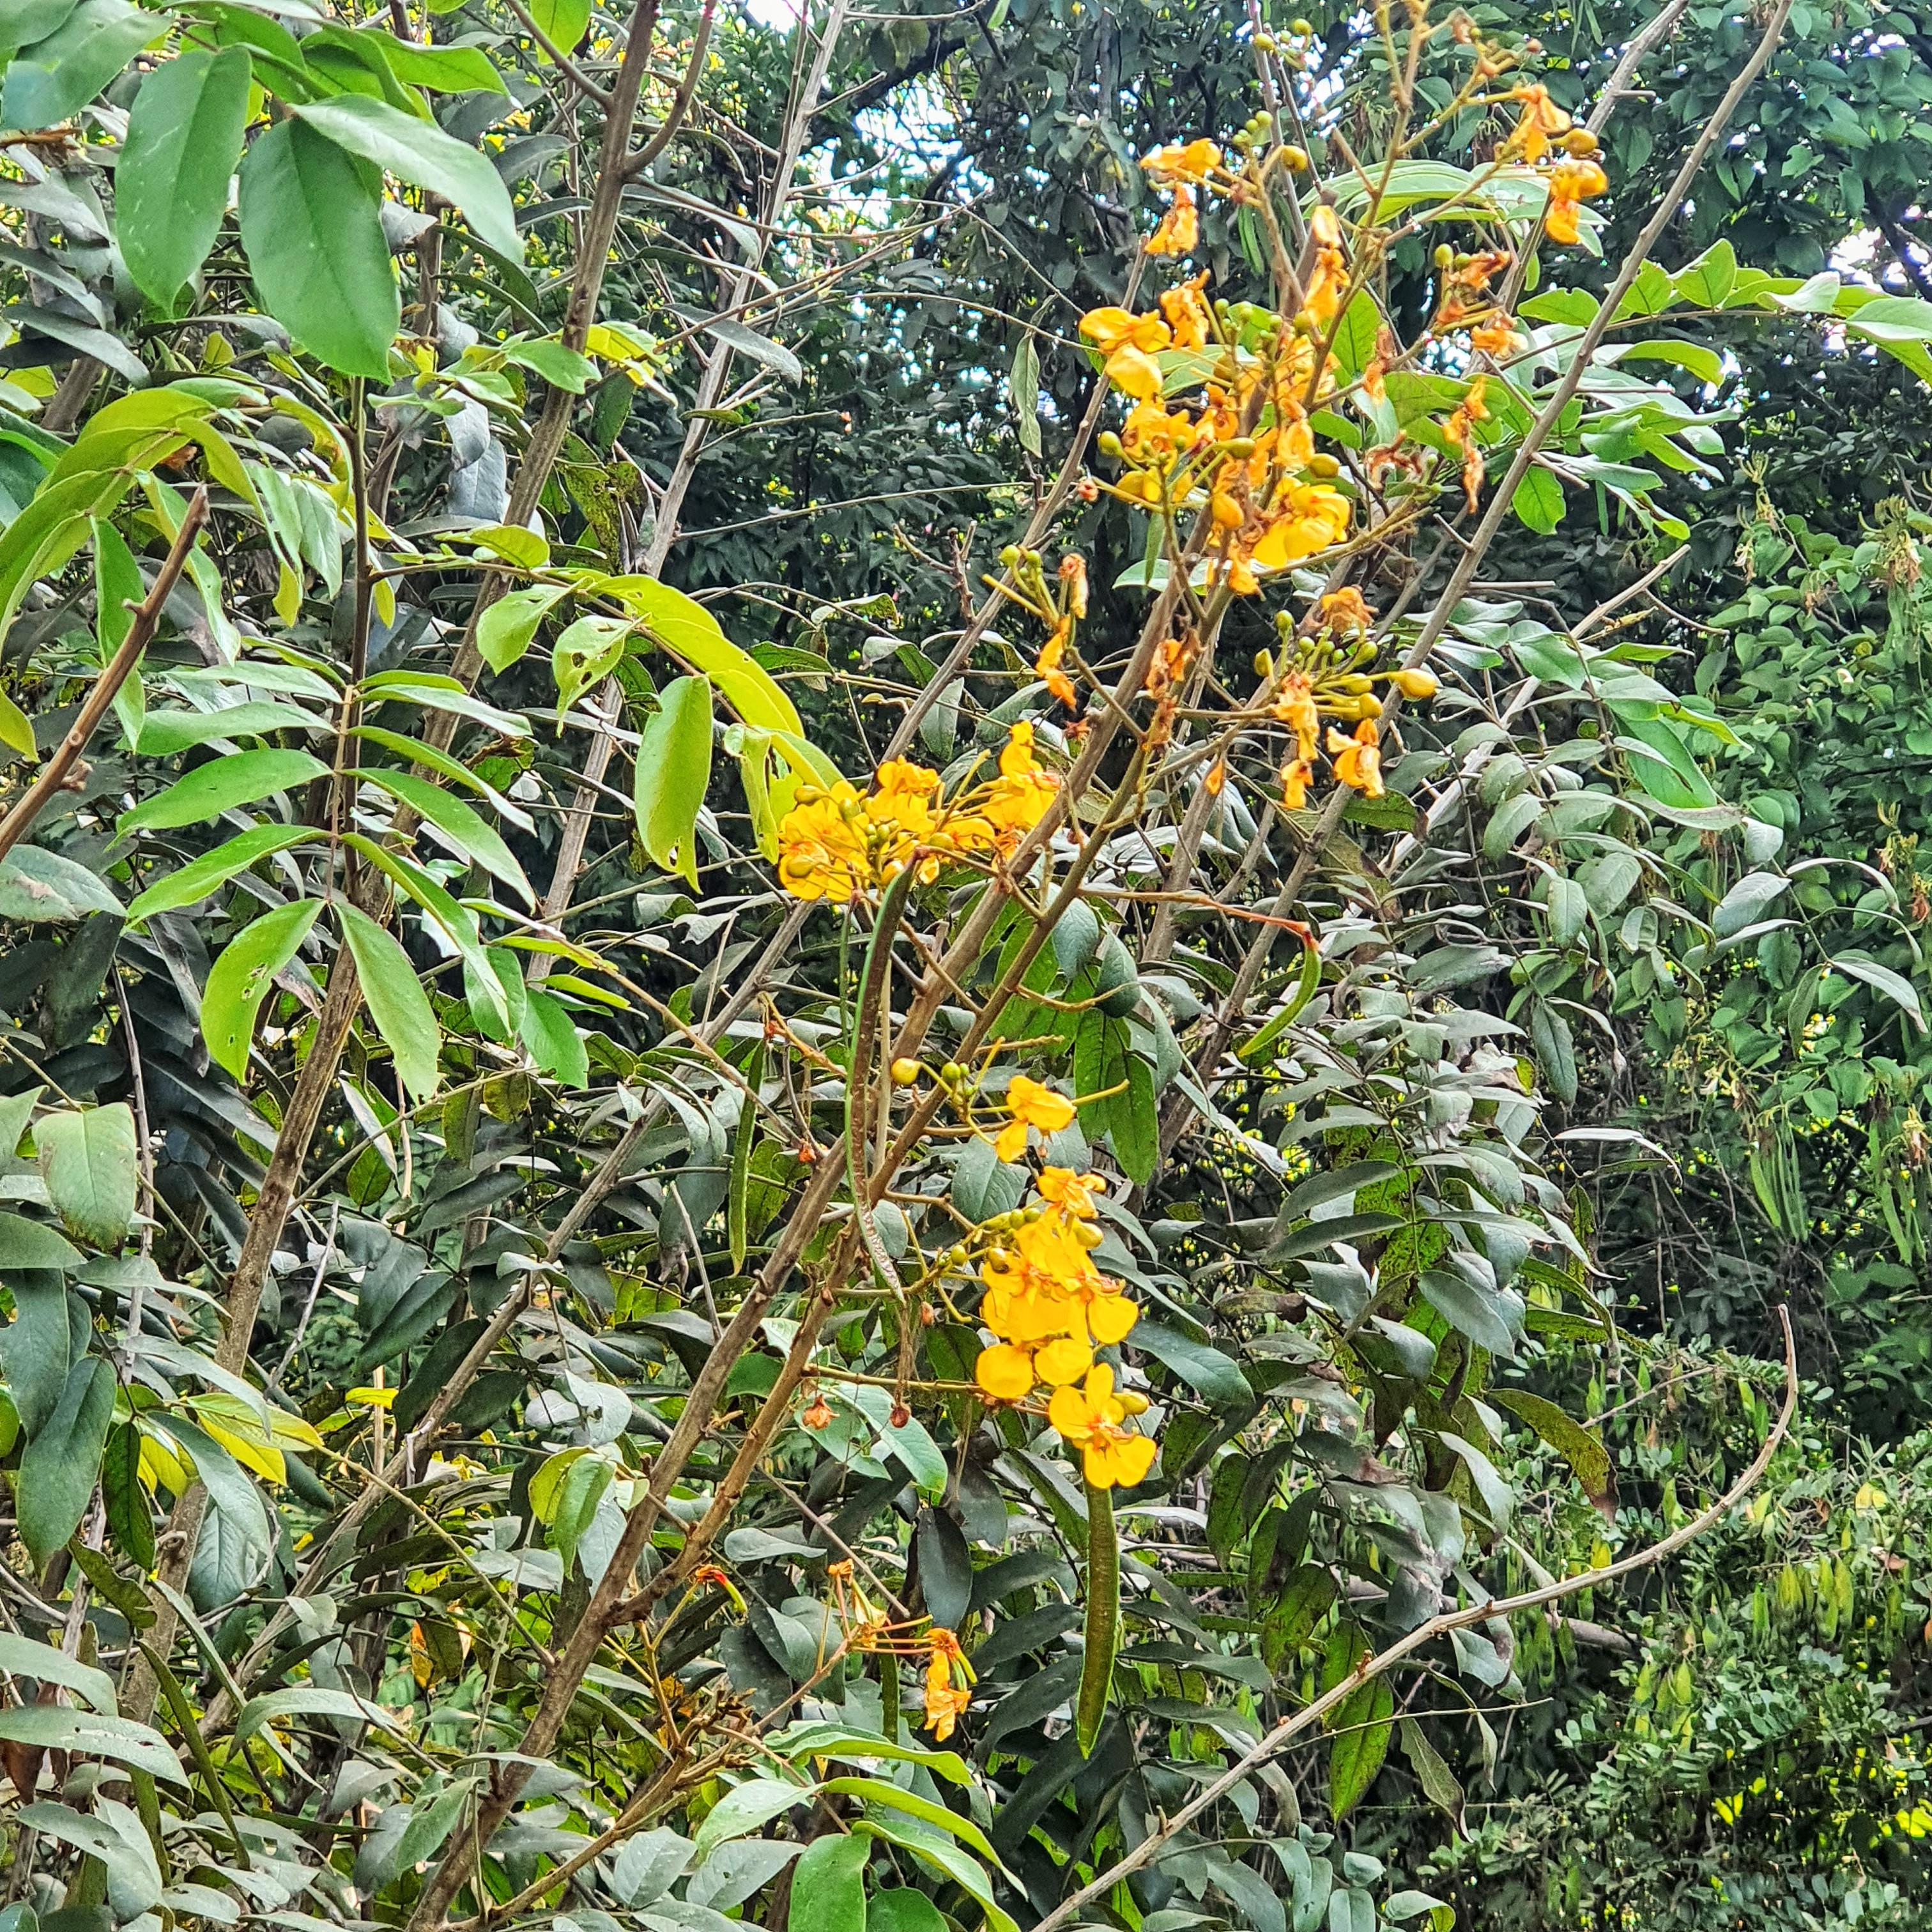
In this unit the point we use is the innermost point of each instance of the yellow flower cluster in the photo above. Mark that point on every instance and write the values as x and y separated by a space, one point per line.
1051 1308
844 843
1248 445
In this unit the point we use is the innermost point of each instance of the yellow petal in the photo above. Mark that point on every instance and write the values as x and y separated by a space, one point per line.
1065 1360
1111 1318
1005 1372
1012 1142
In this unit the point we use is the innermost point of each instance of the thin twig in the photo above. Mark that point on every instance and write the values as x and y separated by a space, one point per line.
19 821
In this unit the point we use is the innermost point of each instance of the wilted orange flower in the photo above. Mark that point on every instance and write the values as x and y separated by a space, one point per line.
1540 119
1073 577
1345 613
1187 313
1296 775
1179 233
948 1681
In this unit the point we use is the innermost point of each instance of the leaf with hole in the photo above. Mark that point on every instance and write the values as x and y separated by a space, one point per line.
242 977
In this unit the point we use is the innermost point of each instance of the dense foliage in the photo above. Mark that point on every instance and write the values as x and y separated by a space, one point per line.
939 950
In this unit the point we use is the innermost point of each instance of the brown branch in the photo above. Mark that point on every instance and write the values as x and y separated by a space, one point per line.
1291 1727
19 821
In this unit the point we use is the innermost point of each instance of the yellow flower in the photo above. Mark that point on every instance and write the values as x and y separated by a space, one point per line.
1111 328
1017 800
1296 775
823 852
1091 1418
1193 163
1540 119
1004 1372
949 1680
1031 1105
1073 1193
1128 342
1046 666
1571 181
1308 517
1358 760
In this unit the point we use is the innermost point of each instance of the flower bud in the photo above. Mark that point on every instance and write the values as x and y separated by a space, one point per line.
1132 1400
1295 160
1240 447
1265 43
1110 443
1010 555
1322 464
1416 683
905 1073
1088 1234
1263 663
952 1073
1300 29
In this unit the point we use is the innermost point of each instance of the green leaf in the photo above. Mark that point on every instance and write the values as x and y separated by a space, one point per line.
1439 1784
200 877
52 80
36 1347
1205 1371
743 1809
901 1909
37 884
547 1030
242 977
441 70
1025 384
585 654
60 1465
674 770
221 785
1748 902
473 836
562 368
309 1700
420 153
130 1522
1134 1122
315 244
87 1160
171 188
823 1739
504 631
1468 1310
1585 1453
397 1002
1895 987
563 22
165 733
685 628
1538 500
1362 1722
1102 1626
22 1657
828 1885
93 1734
34 1245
